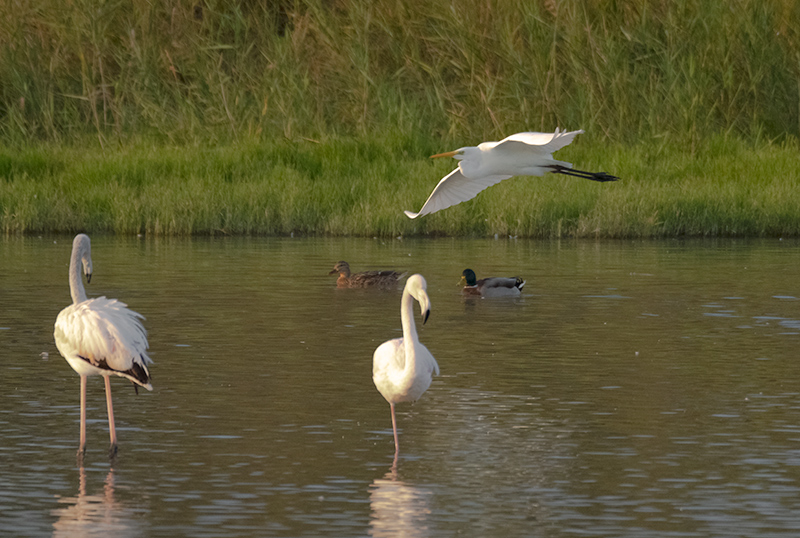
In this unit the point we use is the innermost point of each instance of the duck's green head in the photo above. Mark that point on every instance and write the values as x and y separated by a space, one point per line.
468 278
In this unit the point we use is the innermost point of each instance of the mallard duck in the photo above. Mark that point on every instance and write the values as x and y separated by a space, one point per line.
490 287
365 279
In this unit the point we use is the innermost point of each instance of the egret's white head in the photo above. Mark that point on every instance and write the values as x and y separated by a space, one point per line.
469 159
418 288
458 154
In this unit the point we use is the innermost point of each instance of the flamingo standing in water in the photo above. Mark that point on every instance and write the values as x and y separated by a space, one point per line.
100 337
402 368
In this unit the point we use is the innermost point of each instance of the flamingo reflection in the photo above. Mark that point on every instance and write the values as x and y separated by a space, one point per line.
94 515
398 508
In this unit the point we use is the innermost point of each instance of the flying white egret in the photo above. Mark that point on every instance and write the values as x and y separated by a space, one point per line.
489 163
402 368
490 287
100 337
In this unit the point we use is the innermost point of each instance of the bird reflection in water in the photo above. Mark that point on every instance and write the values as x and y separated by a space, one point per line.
94 515
398 508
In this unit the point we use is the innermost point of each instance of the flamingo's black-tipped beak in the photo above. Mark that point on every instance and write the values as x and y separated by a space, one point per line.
425 316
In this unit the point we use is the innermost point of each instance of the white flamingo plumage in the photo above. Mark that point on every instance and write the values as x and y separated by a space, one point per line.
100 336
402 368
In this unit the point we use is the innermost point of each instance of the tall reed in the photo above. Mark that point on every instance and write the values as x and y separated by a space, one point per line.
205 71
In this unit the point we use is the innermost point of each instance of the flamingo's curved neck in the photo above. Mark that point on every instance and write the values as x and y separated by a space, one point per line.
410 337
76 289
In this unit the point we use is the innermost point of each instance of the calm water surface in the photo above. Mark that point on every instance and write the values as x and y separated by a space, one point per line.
635 389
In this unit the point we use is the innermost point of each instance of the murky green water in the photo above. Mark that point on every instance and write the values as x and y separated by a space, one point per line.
635 389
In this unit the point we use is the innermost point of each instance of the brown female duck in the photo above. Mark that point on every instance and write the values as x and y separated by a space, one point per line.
365 279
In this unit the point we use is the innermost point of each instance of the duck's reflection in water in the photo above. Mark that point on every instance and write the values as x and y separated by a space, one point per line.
95 515
398 508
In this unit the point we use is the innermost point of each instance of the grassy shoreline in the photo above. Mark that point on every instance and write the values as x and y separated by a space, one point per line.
359 187
200 117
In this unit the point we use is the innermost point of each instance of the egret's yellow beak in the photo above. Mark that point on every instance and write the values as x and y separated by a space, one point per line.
448 154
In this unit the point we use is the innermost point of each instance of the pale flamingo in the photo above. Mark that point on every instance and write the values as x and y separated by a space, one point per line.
402 368
100 337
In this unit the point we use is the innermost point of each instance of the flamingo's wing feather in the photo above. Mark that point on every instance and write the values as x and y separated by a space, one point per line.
102 329
432 364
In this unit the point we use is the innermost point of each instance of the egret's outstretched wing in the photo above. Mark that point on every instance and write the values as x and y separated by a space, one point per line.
541 143
453 189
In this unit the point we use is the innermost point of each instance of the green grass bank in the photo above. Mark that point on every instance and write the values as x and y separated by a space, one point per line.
317 116
359 187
